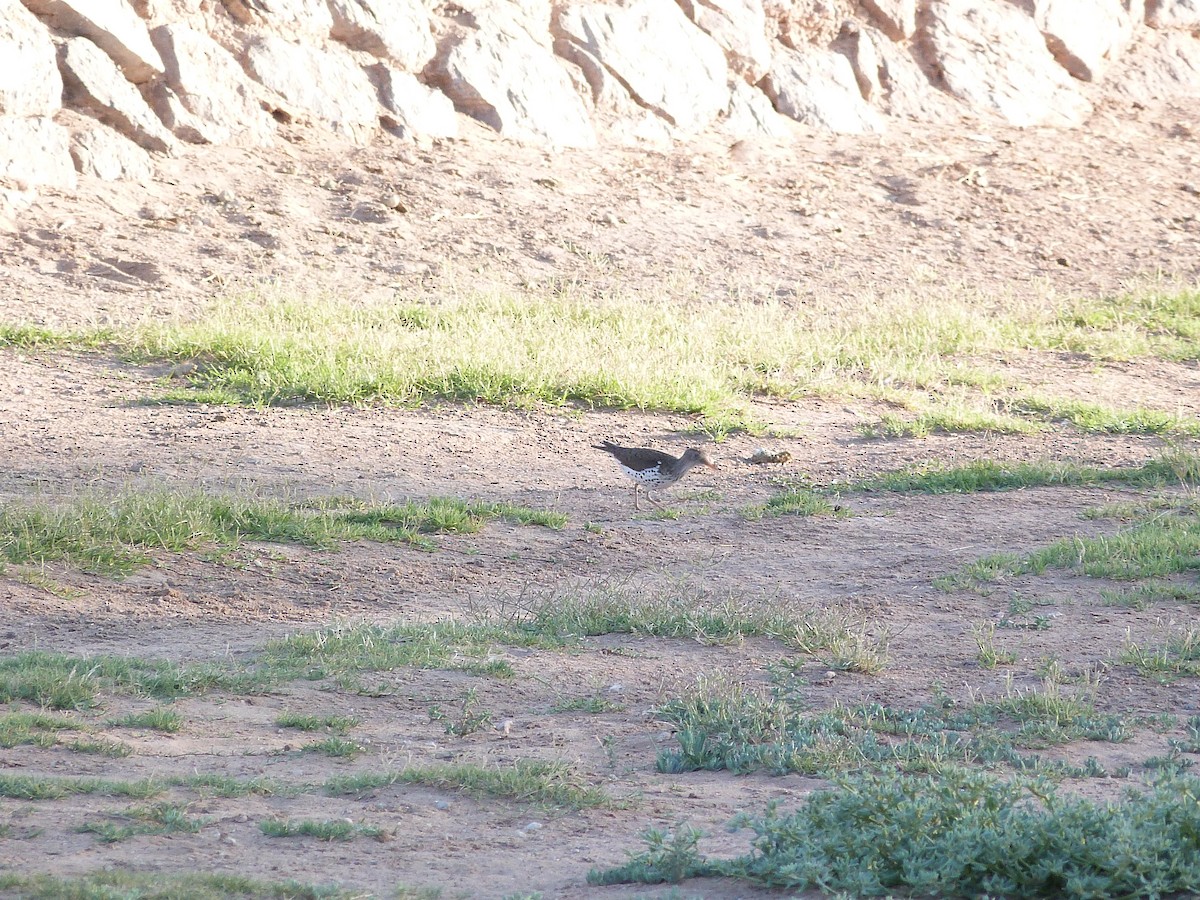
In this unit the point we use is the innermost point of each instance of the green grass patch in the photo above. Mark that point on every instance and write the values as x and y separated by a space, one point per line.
159 818
327 830
336 747
614 609
218 785
110 884
540 782
664 352
1095 418
796 501
40 729
310 722
723 726
30 787
1178 656
59 681
960 834
1157 548
160 718
114 534
1173 468
591 705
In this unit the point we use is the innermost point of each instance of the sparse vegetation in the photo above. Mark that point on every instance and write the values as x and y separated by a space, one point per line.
723 726
115 534
108 883
548 783
327 830
309 722
160 718
159 818
1178 656
272 347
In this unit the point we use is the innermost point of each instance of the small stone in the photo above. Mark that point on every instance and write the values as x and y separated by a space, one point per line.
532 827
328 183
615 688
441 804
227 196
1190 188
394 201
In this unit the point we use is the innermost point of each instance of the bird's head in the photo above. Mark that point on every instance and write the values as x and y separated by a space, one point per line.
699 458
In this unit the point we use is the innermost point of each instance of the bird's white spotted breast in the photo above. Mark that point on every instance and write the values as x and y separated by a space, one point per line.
645 476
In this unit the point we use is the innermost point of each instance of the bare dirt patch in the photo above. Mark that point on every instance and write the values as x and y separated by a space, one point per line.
1086 211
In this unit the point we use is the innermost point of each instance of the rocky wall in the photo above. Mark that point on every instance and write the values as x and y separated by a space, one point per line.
100 87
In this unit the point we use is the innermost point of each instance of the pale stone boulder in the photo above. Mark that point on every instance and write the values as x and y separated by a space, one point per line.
504 77
298 18
396 30
895 18
208 98
992 56
664 61
1167 65
750 114
817 87
105 154
415 108
740 28
328 83
906 91
1173 13
29 81
1084 35
112 25
35 152
94 84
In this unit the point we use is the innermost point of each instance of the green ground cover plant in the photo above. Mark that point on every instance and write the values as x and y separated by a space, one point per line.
961 834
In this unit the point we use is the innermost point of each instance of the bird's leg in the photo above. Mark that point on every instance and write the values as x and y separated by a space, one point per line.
650 497
636 488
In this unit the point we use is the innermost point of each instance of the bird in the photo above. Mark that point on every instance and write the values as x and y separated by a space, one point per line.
653 469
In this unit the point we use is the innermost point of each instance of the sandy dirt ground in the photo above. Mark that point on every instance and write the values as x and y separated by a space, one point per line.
999 211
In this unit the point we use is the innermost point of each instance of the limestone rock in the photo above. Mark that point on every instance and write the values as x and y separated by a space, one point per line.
799 23
329 84
740 28
502 76
298 18
895 18
397 30
29 81
209 85
664 61
105 154
907 90
417 109
818 87
112 25
750 114
856 45
95 85
1173 13
992 56
34 152
1084 35
1166 65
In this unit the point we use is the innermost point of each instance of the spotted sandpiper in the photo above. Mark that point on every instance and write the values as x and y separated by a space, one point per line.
653 469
